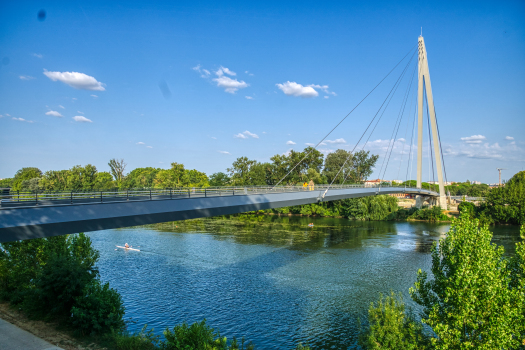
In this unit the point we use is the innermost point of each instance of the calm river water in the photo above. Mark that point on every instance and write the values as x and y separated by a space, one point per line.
271 279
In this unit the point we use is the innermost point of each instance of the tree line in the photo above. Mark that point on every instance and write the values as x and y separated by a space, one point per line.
295 167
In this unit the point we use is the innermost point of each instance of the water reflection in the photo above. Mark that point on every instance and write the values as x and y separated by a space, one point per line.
272 279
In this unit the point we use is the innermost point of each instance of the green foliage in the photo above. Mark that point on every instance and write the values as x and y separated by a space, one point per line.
6 183
219 179
391 327
246 172
104 181
97 310
141 178
470 303
22 175
117 169
468 208
177 176
198 336
333 164
143 340
507 204
433 214
57 278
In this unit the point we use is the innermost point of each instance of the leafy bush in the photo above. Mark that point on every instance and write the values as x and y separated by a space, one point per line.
137 341
468 208
476 299
198 336
430 214
98 310
390 327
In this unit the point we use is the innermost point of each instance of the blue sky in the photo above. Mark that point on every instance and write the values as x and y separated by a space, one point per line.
202 83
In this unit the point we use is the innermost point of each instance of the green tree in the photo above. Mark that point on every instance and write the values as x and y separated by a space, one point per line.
507 204
6 183
219 179
333 164
246 172
117 169
23 175
141 178
391 327
103 181
469 304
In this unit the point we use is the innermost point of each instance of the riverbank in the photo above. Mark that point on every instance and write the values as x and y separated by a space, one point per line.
44 330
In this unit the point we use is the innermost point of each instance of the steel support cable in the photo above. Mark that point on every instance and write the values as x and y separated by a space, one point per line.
430 145
398 123
405 138
394 89
439 139
410 156
324 138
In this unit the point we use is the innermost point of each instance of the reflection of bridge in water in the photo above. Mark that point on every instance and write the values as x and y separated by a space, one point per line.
26 216
44 215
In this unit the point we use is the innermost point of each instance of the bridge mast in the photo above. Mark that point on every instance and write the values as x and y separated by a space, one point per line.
424 82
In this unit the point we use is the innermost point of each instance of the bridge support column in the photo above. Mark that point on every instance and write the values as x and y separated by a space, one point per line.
424 84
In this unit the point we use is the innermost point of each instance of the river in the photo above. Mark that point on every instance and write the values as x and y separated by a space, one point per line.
271 279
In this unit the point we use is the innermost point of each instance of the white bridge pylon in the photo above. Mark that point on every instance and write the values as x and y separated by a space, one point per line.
424 83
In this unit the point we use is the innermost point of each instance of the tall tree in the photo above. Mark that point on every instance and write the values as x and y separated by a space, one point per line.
362 166
23 175
117 169
333 164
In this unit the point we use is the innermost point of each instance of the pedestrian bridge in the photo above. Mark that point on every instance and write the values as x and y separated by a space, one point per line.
26 215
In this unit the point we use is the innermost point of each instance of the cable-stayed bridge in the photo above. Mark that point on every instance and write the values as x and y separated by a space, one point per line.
45 215
29 216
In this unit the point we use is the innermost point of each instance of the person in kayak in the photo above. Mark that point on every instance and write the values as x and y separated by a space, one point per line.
127 246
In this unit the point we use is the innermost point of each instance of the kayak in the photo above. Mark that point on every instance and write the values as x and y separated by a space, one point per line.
137 250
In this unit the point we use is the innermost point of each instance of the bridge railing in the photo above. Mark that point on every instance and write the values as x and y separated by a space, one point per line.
25 199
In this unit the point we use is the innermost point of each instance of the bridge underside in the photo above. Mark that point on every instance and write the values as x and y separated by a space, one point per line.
47 221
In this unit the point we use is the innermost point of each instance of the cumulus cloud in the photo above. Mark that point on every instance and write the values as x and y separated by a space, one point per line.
81 119
224 70
26 77
290 143
76 80
245 135
473 139
336 141
224 152
37 55
310 144
249 97
140 143
291 88
54 114
230 85
510 138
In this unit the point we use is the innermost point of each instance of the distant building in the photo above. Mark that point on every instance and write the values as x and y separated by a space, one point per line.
372 183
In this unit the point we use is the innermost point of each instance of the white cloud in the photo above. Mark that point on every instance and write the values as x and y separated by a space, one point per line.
80 112
290 143
250 74
473 139
8 115
19 119
224 152
223 70
37 55
249 97
510 138
240 136
230 85
94 96
203 72
247 133
310 144
82 119
336 141
54 114
26 77
76 80
294 89
140 143
61 106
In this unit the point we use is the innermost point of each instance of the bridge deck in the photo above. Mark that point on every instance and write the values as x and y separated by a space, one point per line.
28 219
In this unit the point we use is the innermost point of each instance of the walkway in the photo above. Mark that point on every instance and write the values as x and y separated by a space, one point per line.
14 338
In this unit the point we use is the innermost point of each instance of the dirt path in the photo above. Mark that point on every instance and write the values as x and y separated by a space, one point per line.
43 330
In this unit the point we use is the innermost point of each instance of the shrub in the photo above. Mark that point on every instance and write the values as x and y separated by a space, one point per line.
137 341
390 327
98 310
468 208
471 302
